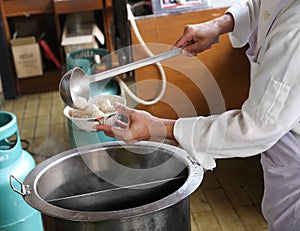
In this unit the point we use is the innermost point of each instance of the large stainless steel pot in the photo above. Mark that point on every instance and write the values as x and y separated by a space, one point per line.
114 186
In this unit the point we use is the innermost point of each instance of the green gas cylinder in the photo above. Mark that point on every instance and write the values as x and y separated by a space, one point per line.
15 213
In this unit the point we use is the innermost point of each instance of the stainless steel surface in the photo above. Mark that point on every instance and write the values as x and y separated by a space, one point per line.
75 82
135 65
108 168
174 218
114 190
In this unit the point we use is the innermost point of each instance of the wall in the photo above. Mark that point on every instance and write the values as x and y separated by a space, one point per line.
218 78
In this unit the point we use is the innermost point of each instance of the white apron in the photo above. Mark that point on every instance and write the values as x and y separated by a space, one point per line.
281 165
281 201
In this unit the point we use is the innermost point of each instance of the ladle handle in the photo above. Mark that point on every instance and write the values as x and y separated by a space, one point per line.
135 65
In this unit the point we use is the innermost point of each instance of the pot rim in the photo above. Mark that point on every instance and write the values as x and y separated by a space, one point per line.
194 178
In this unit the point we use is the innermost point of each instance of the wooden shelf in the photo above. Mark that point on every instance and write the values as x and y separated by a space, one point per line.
72 6
13 8
49 81
49 14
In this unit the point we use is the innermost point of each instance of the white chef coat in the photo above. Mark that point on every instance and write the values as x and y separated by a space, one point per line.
273 105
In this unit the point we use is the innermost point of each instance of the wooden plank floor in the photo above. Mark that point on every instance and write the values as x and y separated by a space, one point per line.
229 197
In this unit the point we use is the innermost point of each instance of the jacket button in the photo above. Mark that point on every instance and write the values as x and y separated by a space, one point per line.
266 15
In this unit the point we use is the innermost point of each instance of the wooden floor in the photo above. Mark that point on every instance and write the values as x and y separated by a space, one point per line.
228 199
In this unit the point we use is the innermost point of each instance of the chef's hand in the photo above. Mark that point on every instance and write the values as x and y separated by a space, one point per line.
199 37
141 126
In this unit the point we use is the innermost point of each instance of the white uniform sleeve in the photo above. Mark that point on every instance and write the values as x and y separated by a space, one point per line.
271 110
245 14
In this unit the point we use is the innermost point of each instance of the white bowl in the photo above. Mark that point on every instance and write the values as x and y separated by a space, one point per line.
87 124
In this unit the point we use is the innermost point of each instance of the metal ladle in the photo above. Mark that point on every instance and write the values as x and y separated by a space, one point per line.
75 82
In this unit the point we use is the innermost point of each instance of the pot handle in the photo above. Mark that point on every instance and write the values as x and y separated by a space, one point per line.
24 188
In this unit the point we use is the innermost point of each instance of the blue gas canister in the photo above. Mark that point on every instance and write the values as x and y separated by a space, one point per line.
15 213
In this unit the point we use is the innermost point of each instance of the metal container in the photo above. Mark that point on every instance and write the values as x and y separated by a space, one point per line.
115 187
15 213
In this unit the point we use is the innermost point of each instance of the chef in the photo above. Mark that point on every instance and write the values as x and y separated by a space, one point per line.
268 121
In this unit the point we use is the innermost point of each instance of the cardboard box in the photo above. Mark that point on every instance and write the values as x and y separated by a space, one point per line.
85 37
27 57
80 32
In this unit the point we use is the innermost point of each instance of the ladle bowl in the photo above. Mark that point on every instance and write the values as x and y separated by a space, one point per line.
75 82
